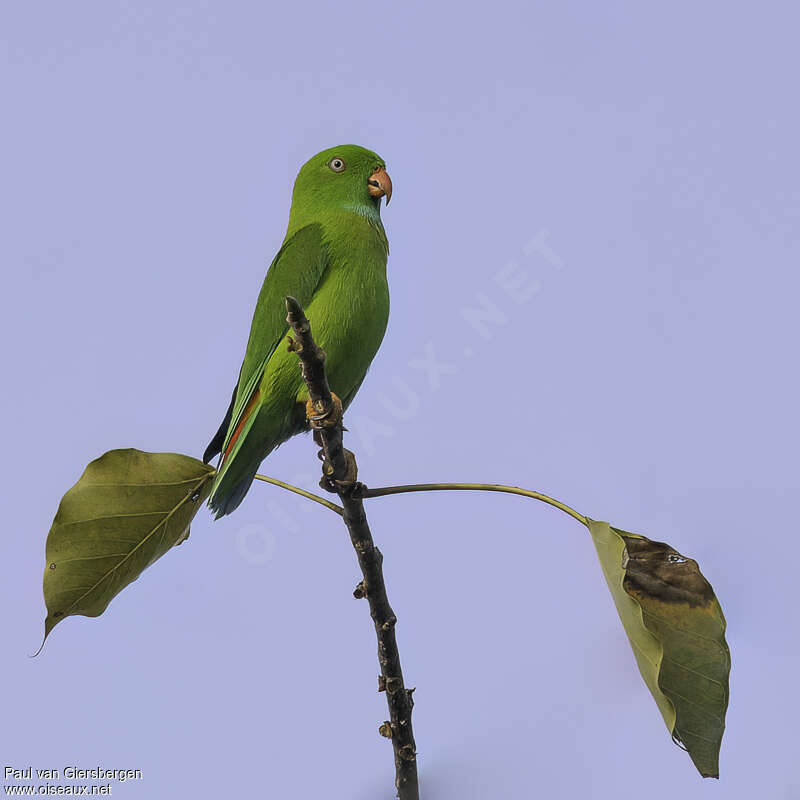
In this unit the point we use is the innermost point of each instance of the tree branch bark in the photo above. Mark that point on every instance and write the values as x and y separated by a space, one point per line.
340 476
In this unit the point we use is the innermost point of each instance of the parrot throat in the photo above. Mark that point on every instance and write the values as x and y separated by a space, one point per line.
369 211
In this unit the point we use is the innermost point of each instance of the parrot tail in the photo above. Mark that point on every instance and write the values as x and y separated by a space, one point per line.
222 505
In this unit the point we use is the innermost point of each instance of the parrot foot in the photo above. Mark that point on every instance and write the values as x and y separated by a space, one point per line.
349 483
320 417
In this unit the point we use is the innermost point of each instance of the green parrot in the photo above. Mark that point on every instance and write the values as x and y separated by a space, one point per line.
333 260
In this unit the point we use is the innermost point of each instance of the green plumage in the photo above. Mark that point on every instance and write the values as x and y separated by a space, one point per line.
333 260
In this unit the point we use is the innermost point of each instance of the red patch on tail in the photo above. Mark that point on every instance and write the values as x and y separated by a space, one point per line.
245 416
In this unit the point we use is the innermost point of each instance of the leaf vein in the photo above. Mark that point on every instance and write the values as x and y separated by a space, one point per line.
113 569
112 516
60 561
691 702
682 630
158 483
694 671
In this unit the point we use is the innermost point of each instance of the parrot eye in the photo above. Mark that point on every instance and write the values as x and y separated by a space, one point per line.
337 165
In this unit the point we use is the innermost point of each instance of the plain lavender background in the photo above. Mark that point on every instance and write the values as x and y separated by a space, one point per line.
645 374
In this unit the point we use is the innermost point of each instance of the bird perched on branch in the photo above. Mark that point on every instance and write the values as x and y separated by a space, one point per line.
333 261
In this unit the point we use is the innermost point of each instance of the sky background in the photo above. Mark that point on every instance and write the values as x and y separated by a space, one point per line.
634 166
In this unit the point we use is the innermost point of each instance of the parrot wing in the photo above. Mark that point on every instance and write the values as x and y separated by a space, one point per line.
296 270
215 445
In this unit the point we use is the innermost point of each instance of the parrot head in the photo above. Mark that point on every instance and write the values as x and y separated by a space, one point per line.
346 176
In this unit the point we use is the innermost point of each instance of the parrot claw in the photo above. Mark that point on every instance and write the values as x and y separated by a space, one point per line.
320 417
350 479
348 483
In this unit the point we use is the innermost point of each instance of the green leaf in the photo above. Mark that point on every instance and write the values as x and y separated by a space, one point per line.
126 511
677 631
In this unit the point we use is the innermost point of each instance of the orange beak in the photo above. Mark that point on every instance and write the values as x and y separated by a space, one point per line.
380 184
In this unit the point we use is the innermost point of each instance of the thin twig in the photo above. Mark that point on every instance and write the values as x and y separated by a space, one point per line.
383 491
339 475
302 492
